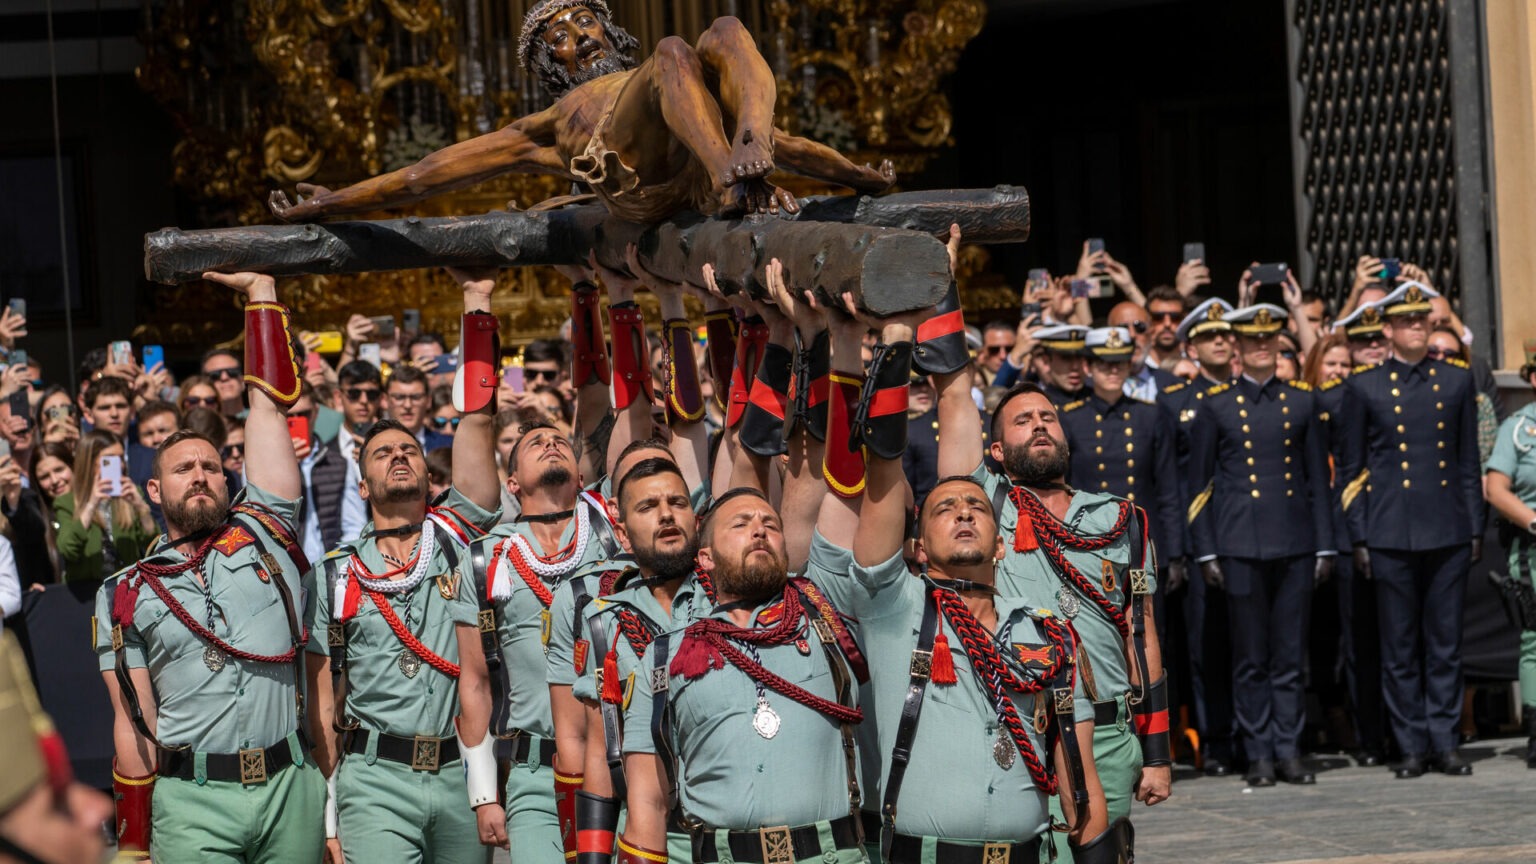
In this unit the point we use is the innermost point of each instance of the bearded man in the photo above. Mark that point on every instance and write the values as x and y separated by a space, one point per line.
199 641
691 128
400 618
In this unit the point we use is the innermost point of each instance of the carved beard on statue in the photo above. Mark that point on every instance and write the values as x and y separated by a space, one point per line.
194 515
558 80
1028 468
755 577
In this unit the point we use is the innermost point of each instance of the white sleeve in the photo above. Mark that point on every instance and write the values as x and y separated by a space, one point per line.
10 581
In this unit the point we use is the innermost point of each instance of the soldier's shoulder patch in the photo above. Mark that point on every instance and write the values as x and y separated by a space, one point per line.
1300 385
233 540
1073 406
1457 361
1174 388
1035 656
1330 384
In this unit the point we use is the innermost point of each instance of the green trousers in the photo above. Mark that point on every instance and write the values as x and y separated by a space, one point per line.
829 853
533 827
1519 568
387 812
281 821
1117 758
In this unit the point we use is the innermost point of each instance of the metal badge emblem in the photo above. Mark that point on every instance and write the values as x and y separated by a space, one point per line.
448 585
1003 751
253 766
996 853
409 663
1067 602
778 845
765 720
214 659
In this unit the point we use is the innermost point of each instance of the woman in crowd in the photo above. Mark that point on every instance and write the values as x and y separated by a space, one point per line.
58 418
1328 361
100 532
52 470
197 392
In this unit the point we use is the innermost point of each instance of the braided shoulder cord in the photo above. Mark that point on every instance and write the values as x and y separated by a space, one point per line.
1052 536
408 639
207 635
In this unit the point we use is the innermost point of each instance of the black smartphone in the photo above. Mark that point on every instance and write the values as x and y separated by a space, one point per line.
1269 274
1391 268
1030 311
410 321
19 406
1194 252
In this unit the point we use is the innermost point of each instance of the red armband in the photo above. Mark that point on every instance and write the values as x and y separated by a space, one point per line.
749 353
474 385
941 339
1151 719
720 330
597 821
685 396
629 853
762 426
134 797
269 362
631 353
591 355
881 421
566 787
843 466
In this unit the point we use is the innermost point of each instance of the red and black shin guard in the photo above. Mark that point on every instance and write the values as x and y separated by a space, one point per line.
941 339
811 385
720 331
269 362
597 820
762 426
1151 718
881 421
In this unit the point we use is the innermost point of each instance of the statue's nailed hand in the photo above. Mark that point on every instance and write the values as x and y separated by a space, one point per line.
301 207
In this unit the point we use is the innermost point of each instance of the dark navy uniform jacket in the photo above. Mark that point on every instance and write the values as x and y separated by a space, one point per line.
1258 469
1408 465
1128 449
1180 403
1330 415
1060 397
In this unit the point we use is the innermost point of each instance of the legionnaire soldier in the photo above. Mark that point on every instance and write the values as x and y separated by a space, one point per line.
399 618
966 682
1065 375
200 641
1088 556
1261 528
1412 496
1208 337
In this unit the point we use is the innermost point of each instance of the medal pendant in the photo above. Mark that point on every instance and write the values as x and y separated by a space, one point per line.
765 720
214 659
409 663
1002 749
1067 600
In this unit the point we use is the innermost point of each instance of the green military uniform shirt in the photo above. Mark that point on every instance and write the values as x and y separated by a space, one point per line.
240 704
689 603
953 747
381 695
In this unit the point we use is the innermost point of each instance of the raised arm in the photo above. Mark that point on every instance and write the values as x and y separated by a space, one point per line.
272 385
632 392
520 146
960 446
883 512
684 393
474 392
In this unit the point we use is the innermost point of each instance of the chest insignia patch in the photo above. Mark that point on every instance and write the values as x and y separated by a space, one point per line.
1108 580
235 539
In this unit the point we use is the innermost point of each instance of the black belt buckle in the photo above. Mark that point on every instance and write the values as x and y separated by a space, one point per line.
778 845
253 766
425 753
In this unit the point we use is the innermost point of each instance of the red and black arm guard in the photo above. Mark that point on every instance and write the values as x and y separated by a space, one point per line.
597 820
762 425
629 853
720 330
941 339
881 421
843 464
1151 716
591 354
685 396
749 353
133 796
269 362
566 787
631 353
474 385
811 385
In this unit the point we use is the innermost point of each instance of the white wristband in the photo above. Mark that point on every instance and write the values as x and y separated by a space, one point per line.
480 770
330 804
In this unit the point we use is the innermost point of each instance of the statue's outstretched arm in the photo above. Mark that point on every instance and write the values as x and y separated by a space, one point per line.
818 161
522 146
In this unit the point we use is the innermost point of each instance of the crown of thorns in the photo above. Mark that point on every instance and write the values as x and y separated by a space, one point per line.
547 9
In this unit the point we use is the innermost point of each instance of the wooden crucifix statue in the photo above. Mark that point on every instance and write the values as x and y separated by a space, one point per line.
691 128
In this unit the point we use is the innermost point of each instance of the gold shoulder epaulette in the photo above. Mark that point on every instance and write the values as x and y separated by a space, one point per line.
1331 383
1300 385
1174 388
1073 406
1457 361
1365 367
1218 388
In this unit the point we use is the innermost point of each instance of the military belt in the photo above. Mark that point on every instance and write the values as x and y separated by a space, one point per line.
780 845
907 849
255 765
517 749
421 753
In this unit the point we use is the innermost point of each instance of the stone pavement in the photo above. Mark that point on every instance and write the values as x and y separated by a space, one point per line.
1352 816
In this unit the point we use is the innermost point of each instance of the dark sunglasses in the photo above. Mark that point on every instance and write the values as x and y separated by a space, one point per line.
550 374
201 401
221 374
1171 317
357 394
230 451
999 349
1137 326
444 422
1441 354
1289 355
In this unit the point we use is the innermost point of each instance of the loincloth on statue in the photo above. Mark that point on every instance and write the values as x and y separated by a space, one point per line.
627 196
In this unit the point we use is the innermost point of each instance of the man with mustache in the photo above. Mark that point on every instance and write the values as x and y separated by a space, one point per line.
649 141
956 665
200 640
1088 556
395 616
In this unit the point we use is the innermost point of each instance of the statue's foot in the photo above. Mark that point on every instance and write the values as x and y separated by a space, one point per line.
751 157
755 197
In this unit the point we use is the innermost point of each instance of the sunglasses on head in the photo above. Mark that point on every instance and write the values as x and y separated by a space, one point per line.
444 422
222 374
1442 354
356 394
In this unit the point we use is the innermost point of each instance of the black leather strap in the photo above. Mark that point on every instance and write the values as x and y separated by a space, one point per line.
490 640
908 849
613 724
906 730
1106 713
1064 727
182 764
746 847
517 748
403 750
336 638
661 722
1138 562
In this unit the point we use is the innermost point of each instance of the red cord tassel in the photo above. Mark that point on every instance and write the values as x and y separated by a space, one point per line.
943 671
613 693
1024 535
